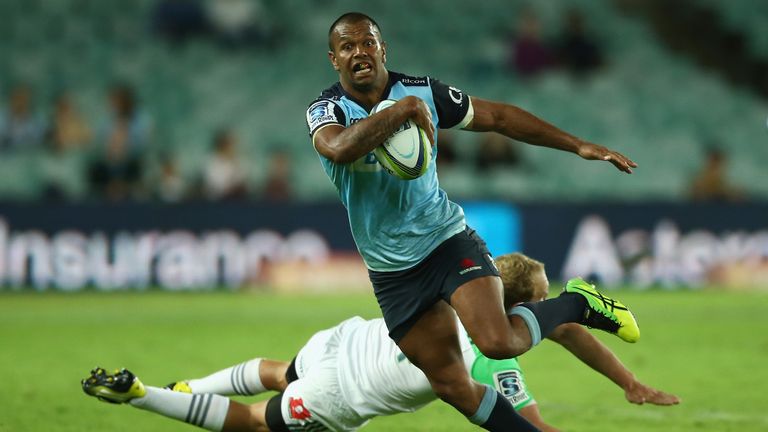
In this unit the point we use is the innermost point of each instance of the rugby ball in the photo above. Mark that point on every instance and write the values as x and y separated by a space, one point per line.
408 152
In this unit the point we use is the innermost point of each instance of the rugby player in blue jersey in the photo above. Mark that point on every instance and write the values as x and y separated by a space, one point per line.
424 261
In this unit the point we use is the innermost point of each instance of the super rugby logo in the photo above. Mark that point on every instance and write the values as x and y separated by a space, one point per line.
319 113
510 384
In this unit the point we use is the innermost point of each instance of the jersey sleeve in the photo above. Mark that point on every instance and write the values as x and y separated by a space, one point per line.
324 112
454 107
506 377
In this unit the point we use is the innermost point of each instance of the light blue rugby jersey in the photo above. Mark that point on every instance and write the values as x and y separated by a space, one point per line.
395 223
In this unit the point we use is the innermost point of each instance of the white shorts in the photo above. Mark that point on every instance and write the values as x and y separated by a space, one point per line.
314 402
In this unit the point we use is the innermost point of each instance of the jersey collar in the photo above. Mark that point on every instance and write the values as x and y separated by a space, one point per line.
394 77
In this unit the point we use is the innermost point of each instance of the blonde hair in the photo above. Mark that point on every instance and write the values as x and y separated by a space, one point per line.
517 271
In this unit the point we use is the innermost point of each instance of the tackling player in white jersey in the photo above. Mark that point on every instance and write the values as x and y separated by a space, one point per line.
350 373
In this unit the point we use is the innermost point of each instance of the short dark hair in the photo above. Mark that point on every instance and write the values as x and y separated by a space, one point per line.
350 17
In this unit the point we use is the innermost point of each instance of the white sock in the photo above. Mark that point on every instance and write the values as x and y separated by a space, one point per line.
242 379
205 410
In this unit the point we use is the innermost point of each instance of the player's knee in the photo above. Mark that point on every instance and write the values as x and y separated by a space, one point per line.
498 347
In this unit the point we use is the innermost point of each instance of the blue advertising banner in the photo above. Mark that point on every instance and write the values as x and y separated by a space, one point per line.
199 246
497 223
651 244
135 246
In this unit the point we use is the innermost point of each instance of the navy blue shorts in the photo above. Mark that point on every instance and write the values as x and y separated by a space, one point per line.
405 295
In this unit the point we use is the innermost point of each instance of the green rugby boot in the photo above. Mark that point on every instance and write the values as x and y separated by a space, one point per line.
117 388
604 313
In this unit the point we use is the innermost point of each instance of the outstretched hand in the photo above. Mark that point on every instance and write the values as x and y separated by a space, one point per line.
639 393
592 151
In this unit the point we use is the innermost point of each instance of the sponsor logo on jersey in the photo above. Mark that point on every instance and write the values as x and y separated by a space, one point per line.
455 95
321 112
468 265
413 81
510 384
298 410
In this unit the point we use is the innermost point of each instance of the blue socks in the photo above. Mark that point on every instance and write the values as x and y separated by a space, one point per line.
542 317
496 413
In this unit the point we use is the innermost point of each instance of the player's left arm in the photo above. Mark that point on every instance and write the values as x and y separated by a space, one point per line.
518 124
587 348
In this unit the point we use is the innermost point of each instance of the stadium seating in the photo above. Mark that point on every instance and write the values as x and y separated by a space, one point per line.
656 107
750 18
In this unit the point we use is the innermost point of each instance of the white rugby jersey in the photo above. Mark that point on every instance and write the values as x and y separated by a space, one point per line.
377 379
353 372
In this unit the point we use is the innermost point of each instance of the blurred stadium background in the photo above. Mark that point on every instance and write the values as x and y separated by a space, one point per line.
160 145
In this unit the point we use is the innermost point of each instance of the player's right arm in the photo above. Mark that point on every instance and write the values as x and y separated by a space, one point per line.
345 145
587 348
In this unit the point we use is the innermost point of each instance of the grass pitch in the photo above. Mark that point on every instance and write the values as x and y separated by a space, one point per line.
708 347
